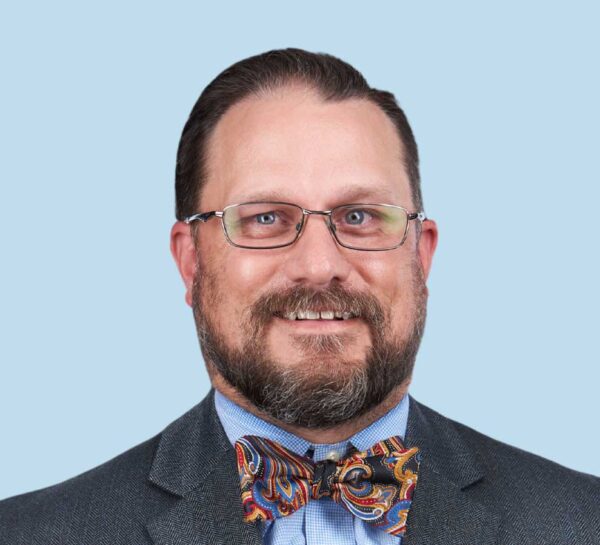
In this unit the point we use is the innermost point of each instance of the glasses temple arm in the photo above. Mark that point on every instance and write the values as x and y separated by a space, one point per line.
417 216
204 217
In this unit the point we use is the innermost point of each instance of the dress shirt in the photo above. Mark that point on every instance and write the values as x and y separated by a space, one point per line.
320 522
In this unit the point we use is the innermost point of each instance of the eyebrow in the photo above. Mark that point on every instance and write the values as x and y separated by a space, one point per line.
350 194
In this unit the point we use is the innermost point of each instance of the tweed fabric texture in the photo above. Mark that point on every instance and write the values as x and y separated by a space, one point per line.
181 486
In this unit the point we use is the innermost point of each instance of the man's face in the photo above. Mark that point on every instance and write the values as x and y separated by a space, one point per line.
293 147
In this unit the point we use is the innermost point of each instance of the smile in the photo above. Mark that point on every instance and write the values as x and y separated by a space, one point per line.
318 315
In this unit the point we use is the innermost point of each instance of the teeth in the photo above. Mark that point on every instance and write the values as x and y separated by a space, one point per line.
314 315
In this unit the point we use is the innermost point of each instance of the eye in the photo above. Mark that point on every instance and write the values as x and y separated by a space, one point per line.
355 217
266 218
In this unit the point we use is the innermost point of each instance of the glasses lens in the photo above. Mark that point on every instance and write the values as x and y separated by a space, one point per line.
262 224
370 226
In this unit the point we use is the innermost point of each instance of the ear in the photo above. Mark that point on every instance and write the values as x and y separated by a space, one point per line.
427 244
184 254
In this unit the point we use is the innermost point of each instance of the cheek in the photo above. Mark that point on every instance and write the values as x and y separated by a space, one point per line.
245 272
390 277
386 274
407 300
243 277
239 272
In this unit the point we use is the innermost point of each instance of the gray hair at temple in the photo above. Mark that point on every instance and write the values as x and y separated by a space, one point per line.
333 79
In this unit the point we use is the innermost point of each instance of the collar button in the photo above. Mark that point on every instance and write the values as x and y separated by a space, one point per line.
333 456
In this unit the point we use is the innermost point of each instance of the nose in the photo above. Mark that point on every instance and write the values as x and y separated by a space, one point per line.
316 259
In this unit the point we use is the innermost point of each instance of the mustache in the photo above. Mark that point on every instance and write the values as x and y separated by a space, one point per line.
364 305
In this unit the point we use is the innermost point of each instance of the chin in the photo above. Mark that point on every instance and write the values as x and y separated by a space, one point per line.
316 350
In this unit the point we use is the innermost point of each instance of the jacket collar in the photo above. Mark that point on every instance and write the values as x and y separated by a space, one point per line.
443 449
189 449
443 508
195 462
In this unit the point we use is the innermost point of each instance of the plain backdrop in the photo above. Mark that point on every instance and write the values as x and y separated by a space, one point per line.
98 349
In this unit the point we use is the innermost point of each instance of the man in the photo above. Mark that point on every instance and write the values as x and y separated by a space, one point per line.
304 250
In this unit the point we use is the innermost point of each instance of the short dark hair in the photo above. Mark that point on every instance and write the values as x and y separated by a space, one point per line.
333 79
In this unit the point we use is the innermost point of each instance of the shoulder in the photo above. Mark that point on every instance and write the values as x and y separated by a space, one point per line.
84 507
511 461
114 502
528 490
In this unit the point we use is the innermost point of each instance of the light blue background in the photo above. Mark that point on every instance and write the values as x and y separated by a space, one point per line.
98 349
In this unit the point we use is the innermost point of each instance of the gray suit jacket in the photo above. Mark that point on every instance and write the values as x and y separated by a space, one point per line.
181 488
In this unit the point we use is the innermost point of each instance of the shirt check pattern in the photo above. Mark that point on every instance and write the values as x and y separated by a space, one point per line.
321 522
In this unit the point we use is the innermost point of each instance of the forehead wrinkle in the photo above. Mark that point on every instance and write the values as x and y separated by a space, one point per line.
345 195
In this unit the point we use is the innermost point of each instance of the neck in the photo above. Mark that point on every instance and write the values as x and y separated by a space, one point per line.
333 434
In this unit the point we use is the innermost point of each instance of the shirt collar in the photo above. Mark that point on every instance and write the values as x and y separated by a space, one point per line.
238 422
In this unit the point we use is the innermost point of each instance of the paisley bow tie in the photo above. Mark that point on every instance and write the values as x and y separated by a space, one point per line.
376 485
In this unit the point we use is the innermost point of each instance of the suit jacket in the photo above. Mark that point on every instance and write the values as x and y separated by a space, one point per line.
181 488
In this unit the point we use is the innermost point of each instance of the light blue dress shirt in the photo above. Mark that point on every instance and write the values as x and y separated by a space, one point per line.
321 522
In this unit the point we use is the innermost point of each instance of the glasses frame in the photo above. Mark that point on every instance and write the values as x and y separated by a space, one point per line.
203 217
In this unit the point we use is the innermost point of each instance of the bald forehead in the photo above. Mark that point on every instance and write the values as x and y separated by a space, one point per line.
292 142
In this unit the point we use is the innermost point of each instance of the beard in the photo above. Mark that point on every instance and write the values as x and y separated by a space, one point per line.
325 389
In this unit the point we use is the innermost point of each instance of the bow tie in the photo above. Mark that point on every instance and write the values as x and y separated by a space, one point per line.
376 485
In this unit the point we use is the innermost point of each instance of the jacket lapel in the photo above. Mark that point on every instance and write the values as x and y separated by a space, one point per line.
196 463
443 510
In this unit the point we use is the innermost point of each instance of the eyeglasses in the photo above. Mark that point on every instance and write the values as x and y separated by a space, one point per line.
266 225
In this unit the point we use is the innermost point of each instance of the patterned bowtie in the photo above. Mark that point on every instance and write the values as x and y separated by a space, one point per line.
376 485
